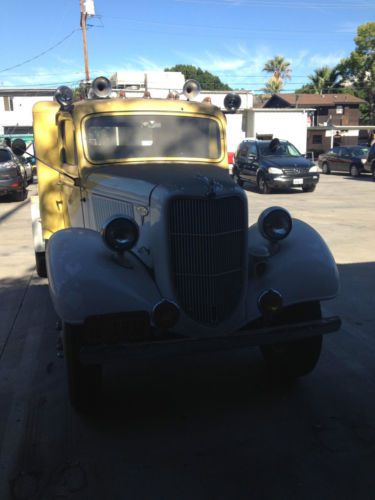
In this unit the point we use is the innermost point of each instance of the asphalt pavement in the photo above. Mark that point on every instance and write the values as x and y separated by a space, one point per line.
207 426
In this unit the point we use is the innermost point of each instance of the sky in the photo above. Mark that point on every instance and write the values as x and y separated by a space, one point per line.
42 42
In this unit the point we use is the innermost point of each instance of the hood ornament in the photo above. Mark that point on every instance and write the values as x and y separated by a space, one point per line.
213 186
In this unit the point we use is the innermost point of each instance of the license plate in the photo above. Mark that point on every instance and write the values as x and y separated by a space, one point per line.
297 181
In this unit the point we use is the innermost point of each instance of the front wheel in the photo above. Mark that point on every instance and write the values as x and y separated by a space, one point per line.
299 357
236 177
83 380
263 186
373 171
354 171
325 168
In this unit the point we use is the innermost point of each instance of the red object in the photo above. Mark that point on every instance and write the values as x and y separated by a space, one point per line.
16 184
230 158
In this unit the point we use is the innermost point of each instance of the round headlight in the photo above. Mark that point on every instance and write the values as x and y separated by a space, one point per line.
275 223
64 96
120 233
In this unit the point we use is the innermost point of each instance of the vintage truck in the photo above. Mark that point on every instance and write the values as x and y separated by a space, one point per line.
145 239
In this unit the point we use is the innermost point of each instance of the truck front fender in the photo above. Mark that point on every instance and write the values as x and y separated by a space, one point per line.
86 279
301 267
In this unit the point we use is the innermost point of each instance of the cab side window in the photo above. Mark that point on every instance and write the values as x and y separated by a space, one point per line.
68 150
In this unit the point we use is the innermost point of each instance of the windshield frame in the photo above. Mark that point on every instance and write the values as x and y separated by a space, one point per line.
154 159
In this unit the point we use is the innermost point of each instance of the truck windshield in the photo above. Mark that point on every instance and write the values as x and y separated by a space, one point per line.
112 138
281 149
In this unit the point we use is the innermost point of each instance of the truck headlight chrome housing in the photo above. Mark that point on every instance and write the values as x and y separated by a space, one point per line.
120 233
275 223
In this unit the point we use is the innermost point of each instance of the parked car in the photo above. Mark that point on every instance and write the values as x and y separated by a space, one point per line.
369 165
346 159
28 168
149 243
273 164
13 180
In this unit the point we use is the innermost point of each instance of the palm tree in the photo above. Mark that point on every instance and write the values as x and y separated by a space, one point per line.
279 67
324 79
273 86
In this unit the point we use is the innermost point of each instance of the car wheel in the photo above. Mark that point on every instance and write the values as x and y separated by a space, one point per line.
237 178
21 195
40 264
263 187
354 171
309 189
373 171
298 357
325 168
83 380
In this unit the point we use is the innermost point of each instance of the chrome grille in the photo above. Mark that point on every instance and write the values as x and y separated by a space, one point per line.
207 246
295 171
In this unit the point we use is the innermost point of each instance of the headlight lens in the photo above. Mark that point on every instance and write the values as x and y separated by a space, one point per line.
363 160
275 223
314 168
120 233
274 170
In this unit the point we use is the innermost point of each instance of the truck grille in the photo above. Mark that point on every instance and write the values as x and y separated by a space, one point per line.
207 245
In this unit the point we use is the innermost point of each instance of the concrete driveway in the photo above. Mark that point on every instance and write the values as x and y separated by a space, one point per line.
209 426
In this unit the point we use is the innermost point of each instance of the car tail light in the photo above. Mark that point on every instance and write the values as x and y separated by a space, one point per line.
16 184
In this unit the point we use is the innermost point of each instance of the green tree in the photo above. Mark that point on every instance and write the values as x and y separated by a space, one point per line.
273 86
359 70
324 80
279 67
207 80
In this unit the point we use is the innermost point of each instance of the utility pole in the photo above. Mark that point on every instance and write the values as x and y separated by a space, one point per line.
83 26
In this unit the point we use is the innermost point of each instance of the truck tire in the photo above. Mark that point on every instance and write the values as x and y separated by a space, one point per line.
40 264
83 380
296 358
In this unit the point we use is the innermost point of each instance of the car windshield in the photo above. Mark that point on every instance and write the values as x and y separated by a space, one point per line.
5 155
282 149
111 138
360 151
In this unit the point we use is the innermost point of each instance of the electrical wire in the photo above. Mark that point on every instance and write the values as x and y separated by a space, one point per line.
41 53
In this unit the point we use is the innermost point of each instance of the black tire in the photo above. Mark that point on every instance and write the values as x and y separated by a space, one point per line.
83 380
354 171
40 264
263 187
373 171
308 189
21 195
237 178
325 168
299 357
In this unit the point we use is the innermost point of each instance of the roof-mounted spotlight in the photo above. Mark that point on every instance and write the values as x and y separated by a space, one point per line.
232 102
64 96
101 88
191 89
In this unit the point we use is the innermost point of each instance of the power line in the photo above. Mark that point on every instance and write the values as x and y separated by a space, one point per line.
41 53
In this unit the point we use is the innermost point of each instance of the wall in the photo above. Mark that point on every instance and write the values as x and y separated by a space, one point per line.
22 111
288 124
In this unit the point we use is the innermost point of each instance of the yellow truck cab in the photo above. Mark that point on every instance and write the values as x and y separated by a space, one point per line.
145 239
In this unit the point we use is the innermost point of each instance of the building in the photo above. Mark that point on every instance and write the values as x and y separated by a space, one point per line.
16 109
333 118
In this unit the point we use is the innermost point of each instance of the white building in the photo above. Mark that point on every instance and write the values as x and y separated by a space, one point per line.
16 109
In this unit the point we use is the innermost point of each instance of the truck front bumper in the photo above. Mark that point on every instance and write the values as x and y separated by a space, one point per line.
171 344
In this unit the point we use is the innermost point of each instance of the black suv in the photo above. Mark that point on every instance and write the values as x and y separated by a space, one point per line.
369 166
273 164
13 180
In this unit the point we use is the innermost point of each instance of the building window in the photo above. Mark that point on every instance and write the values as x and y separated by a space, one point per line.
339 110
317 139
8 103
